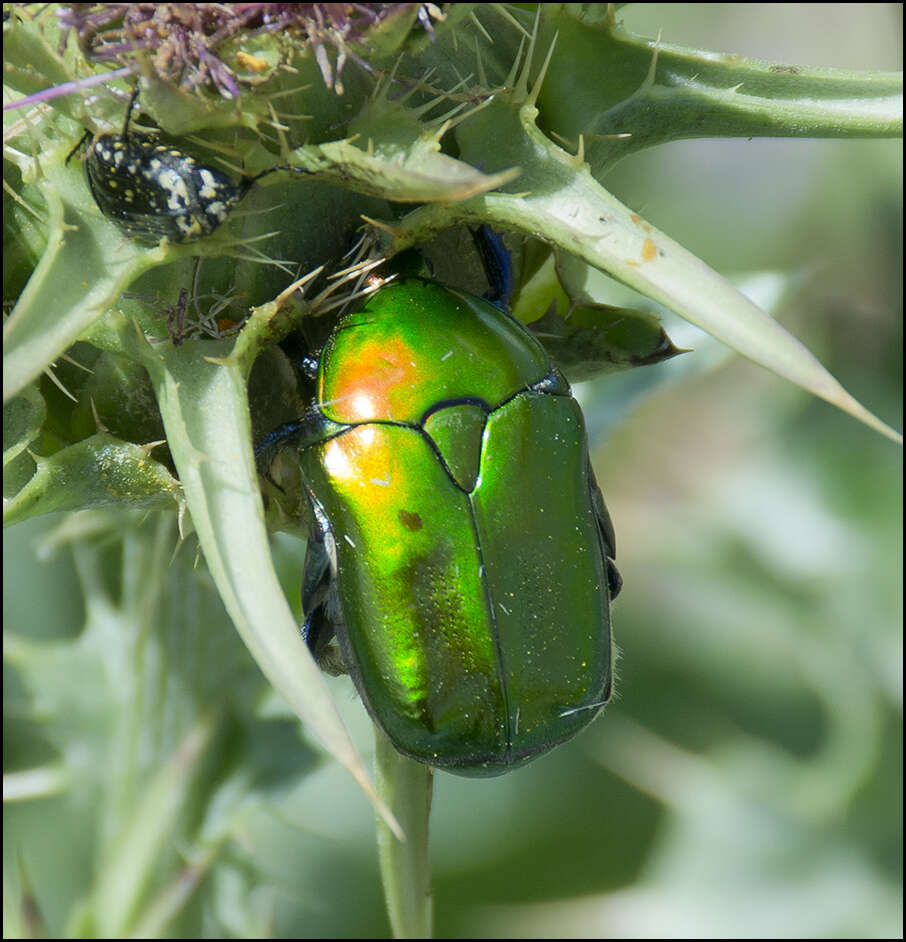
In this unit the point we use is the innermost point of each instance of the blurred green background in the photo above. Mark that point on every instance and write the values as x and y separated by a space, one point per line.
747 780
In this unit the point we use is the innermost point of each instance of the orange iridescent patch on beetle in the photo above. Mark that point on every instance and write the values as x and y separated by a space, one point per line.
365 467
389 513
353 459
417 347
376 384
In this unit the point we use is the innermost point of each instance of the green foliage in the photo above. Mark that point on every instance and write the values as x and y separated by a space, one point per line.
155 783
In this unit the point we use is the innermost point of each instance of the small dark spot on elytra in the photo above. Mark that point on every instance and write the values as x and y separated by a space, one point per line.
411 521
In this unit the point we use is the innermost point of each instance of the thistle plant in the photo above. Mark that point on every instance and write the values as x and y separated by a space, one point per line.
139 375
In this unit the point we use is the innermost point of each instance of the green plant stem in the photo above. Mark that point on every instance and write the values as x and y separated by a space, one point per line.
406 787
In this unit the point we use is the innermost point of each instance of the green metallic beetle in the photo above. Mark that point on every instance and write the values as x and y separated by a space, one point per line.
461 552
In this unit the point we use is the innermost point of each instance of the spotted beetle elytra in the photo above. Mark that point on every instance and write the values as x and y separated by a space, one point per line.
153 190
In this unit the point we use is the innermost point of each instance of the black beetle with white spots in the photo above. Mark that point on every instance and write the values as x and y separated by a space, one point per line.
153 190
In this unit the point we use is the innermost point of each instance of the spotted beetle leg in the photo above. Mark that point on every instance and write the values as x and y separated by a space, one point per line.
319 599
85 137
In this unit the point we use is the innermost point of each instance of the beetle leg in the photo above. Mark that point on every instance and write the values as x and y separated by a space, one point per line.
498 266
85 137
265 448
290 432
319 601
129 108
614 579
317 631
608 539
